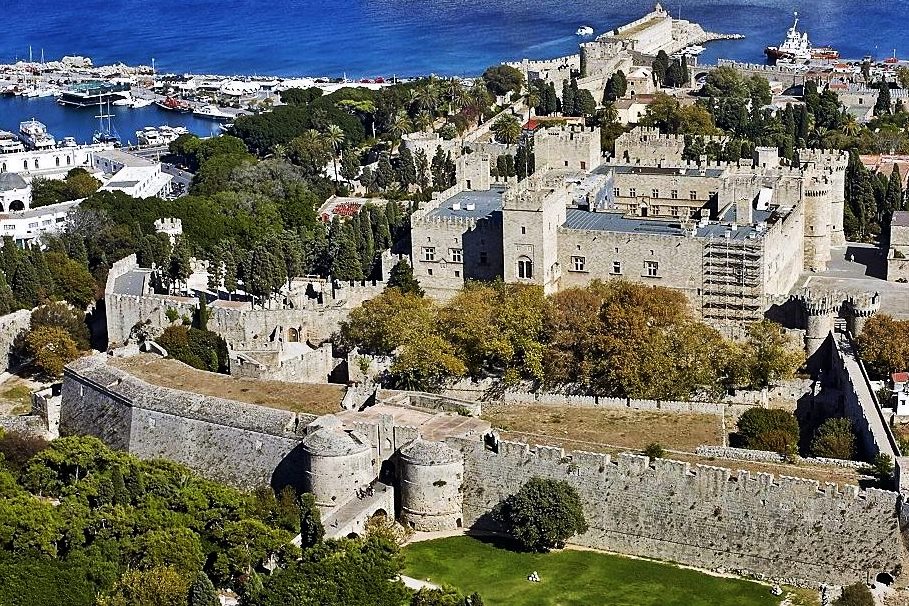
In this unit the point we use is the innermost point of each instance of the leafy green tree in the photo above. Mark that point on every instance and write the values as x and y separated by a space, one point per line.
769 429
162 586
543 514
7 299
884 99
503 79
179 267
401 277
72 281
444 596
616 87
654 450
179 548
61 315
769 355
835 439
311 530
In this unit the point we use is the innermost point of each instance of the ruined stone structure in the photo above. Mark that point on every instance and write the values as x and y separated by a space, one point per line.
285 343
777 528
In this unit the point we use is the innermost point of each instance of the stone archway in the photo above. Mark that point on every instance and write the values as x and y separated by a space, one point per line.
293 335
16 205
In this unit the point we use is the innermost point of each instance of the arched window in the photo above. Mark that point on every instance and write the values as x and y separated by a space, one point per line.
16 205
58 160
525 268
36 162
68 160
25 164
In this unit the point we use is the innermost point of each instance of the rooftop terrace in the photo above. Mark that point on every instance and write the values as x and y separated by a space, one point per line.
482 203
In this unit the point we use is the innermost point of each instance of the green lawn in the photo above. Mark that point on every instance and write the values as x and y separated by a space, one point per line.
571 578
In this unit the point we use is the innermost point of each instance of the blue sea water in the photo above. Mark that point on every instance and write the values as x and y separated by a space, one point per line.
368 38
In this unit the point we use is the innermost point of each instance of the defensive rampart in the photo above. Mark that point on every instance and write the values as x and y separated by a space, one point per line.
781 528
234 442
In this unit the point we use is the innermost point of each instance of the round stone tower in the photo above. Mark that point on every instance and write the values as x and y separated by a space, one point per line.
336 462
820 312
816 200
431 476
860 308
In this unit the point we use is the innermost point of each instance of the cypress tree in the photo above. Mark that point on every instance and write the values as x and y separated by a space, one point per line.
385 174
401 277
25 285
421 165
894 194
367 242
407 172
438 170
7 300
9 256
202 592
311 529
346 264
42 272
568 99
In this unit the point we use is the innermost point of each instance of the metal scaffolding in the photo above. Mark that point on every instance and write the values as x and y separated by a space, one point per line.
733 280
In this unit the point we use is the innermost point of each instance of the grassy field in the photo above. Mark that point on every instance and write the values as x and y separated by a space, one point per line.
571 578
316 399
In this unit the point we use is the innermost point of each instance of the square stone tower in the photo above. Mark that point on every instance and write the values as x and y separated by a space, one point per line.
532 212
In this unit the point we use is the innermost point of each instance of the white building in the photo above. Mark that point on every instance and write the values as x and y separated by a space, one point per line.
50 163
27 226
901 393
133 175
15 192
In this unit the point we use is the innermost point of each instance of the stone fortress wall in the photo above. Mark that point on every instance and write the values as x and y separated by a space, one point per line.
779 528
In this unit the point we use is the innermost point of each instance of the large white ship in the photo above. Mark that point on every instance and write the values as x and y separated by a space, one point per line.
797 48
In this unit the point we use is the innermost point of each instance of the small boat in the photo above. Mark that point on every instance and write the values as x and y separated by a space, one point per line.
126 100
140 103
584 30
174 105
212 112
226 126
797 48
694 50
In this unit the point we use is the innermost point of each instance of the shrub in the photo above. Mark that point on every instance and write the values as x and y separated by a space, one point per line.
857 594
543 514
654 450
769 429
835 439
199 348
882 467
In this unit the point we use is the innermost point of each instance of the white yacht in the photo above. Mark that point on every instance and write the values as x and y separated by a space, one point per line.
35 136
162 135
693 51
9 143
584 30
140 103
213 112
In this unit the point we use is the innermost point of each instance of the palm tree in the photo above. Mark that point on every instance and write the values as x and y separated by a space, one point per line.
428 95
334 136
279 151
507 129
413 98
851 127
423 121
609 113
455 94
400 125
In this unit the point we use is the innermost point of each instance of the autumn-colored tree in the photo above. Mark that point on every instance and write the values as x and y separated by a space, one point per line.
769 356
385 322
884 344
160 586
50 349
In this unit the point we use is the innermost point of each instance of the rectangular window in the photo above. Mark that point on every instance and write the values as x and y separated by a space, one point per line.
578 263
523 230
675 211
693 194
651 268
616 267
654 193
429 253
675 194
32 225
455 255
632 192
429 271
615 192
457 273
583 165
9 227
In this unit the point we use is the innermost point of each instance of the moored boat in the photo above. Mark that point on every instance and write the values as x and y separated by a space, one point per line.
797 48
